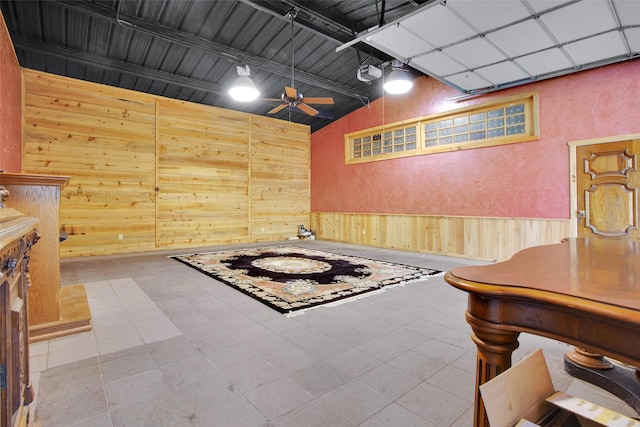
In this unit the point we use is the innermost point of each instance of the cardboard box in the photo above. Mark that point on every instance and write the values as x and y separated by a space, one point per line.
523 396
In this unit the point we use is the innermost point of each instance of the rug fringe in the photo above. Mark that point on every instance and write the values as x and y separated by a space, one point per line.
362 296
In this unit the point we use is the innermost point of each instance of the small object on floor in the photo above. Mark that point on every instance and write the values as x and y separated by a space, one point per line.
303 233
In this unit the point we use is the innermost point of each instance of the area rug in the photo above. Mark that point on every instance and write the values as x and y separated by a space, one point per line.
292 279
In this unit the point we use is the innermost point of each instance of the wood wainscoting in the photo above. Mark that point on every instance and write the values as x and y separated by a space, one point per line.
491 239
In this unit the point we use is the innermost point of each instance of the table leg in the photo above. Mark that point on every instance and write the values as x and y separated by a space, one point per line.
620 380
494 356
587 359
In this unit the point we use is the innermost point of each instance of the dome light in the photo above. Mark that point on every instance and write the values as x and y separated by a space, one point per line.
243 89
399 81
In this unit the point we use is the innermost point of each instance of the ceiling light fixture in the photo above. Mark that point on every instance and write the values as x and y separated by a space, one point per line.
243 89
399 80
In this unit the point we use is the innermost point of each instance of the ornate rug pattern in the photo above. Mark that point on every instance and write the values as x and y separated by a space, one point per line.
291 279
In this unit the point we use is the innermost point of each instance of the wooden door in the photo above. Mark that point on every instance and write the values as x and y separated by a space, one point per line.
607 190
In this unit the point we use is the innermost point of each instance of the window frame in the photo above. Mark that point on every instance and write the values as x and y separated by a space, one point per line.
531 130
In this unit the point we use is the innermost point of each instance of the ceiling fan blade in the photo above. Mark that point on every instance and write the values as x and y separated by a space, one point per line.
324 115
278 108
318 100
271 99
291 92
309 110
321 113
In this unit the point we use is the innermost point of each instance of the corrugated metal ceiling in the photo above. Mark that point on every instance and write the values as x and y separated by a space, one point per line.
485 45
189 49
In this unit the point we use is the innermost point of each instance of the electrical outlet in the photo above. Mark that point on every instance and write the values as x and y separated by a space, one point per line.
364 232
120 236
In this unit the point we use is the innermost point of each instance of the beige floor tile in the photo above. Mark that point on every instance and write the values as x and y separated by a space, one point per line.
174 347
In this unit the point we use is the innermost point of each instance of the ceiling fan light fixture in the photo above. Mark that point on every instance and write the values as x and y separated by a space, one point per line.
399 81
243 89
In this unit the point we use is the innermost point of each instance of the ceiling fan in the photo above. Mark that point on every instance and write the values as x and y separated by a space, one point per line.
291 97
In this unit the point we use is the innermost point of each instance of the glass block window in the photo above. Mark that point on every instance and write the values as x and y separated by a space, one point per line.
397 140
474 126
507 121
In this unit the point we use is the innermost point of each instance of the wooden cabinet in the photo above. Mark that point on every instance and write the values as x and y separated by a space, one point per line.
39 196
53 311
17 236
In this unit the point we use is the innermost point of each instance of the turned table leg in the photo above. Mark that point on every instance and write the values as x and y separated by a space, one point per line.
494 356
588 359
620 380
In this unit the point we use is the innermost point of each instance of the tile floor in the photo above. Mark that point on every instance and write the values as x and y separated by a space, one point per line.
173 347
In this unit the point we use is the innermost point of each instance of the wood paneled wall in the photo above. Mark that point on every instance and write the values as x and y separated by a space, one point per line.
103 138
152 173
203 175
163 173
280 190
468 237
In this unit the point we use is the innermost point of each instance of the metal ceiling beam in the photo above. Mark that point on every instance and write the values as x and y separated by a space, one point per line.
92 60
191 41
323 23
312 16
315 17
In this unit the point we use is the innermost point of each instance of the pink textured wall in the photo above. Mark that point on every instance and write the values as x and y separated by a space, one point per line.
10 104
527 180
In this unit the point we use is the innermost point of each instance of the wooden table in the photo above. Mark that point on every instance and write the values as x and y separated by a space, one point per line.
584 292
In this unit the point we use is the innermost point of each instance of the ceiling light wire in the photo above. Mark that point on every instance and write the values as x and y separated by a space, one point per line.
292 14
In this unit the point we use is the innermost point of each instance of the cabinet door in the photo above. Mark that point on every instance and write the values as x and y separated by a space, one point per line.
4 349
17 351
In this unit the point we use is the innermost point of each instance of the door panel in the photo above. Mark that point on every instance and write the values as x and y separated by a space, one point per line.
607 190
